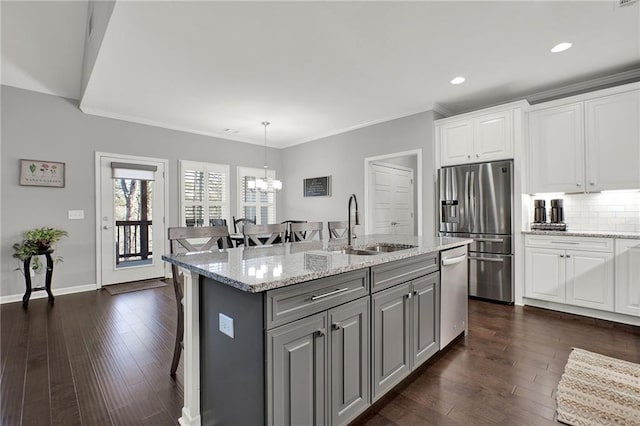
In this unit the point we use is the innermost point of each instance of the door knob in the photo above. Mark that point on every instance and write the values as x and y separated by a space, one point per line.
105 227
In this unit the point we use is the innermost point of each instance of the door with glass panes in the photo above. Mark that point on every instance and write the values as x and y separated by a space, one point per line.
131 221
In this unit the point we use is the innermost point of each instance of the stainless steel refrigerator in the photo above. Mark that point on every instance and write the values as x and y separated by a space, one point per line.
476 201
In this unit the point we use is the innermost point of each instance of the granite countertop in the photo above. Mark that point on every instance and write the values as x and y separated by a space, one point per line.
599 234
257 269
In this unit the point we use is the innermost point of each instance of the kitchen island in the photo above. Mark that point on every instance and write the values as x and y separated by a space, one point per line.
304 332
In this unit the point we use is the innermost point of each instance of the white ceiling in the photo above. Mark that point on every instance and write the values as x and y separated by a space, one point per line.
316 68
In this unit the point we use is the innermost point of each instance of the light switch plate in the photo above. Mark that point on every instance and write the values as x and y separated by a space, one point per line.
226 324
76 214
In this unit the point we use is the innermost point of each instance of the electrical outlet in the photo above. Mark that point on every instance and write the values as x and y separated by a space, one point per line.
75 214
226 324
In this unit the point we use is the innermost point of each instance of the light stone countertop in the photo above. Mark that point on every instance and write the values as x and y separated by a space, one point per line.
598 234
257 269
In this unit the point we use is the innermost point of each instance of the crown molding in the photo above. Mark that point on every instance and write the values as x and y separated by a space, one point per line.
585 86
442 110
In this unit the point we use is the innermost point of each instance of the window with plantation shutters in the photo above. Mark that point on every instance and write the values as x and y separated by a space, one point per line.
253 203
204 189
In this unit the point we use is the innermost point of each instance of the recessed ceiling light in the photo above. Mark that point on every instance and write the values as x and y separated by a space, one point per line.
561 47
457 80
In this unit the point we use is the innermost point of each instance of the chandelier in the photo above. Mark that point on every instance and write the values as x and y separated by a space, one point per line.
265 184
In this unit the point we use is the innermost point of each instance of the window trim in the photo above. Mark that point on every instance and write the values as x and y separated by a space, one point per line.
205 168
256 172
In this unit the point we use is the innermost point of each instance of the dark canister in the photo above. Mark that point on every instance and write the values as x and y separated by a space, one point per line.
539 211
557 211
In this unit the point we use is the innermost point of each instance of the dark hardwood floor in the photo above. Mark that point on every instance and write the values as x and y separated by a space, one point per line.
95 359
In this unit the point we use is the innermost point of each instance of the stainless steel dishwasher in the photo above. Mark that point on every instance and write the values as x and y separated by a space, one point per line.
454 289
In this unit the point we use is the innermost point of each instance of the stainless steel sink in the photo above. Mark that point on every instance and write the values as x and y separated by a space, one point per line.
371 249
387 247
352 250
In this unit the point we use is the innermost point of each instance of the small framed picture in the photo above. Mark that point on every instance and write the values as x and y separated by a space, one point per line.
317 186
42 173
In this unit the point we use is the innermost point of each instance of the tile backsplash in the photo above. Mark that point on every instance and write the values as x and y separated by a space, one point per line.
604 211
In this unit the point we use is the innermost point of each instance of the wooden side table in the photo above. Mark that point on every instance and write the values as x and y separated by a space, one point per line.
27 278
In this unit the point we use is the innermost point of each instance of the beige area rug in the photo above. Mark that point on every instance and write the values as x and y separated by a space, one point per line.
598 390
114 289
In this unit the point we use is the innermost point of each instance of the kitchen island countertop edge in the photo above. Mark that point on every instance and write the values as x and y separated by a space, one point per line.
262 268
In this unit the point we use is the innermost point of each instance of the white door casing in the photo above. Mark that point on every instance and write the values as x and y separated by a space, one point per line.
417 182
106 270
392 204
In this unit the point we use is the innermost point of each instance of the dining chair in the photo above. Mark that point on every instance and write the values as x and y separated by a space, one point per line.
179 242
305 231
258 235
221 222
238 224
338 229
287 235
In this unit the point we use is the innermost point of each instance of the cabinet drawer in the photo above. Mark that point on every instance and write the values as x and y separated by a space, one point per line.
571 243
300 300
389 274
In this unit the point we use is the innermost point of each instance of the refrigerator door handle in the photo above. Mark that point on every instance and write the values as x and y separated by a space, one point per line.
489 240
472 200
467 201
487 259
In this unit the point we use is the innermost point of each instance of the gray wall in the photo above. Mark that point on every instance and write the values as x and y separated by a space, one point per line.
342 156
44 127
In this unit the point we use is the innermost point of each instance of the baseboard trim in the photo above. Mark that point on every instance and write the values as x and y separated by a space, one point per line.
587 312
43 294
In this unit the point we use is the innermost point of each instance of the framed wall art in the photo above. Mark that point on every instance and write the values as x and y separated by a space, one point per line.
42 173
317 186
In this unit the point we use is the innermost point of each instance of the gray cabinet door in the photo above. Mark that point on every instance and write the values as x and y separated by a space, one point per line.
349 360
391 336
296 372
426 314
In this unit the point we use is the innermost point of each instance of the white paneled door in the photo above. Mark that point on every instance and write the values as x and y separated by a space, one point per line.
131 222
392 196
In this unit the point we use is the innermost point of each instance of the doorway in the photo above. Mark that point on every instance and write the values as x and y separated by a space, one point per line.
393 193
130 214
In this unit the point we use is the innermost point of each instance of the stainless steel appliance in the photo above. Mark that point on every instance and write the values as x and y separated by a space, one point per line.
557 211
476 201
453 294
539 211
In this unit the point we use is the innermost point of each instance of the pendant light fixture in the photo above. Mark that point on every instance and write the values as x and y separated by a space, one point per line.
265 184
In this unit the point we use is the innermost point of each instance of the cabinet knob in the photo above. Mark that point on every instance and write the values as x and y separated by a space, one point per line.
336 326
468 156
477 155
562 255
578 184
568 256
592 183
319 333
410 295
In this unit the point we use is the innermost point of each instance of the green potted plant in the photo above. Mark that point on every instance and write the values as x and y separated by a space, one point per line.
37 242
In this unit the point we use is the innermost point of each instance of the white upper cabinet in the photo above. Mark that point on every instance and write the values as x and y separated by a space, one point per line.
586 143
613 142
485 135
456 143
494 136
556 149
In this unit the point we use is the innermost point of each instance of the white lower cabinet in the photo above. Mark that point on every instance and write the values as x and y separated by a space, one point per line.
570 270
627 287
589 278
545 274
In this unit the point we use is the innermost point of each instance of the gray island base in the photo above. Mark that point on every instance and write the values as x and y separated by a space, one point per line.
301 334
